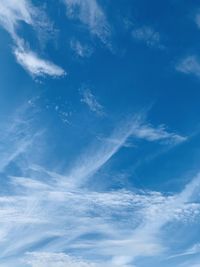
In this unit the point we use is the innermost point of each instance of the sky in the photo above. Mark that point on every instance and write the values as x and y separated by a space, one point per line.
100 133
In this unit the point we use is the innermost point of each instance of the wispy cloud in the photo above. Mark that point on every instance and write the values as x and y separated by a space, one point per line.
148 132
195 249
90 100
48 216
147 35
67 216
197 19
81 50
189 65
17 135
12 13
99 154
36 66
91 15
55 260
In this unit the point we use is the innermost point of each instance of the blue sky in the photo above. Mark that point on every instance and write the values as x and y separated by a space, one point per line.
100 133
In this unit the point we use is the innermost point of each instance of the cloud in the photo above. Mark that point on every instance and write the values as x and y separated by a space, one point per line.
150 133
17 136
12 13
68 215
144 131
37 66
81 50
189 65
99 153
147 35
55 260
90 100
91 15
73 214
46 214
195 249
197 19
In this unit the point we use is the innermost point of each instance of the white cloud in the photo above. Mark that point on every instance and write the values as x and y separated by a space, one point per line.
17 135
12 13
55 260
35 65
195 249
100 153
90 100
141 130
90 14
189 65
62 213
80 49
197 19
150 133
65 214
147 35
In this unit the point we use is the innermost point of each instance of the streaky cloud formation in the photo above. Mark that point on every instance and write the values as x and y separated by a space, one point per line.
37 66
81 50
150 133
90 100
55 260
101 167
98 155
12 13
90 13
197 19
17 136
61 211
189 65
147 35
195 249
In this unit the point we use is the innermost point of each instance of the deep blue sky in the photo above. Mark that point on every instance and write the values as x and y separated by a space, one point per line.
100 133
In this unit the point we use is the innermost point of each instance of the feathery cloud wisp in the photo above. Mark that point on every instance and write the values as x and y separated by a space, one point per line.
90 14
61 211
55 260
81 50
37 66
11 14
197 19
90 100
147 35
150 133
189 65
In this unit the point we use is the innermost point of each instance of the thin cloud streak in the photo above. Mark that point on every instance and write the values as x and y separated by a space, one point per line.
90 100
189 65
148 36
81 50
17 136
98 155
150 133
37 66
123 244
91 15
59 211
12 13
